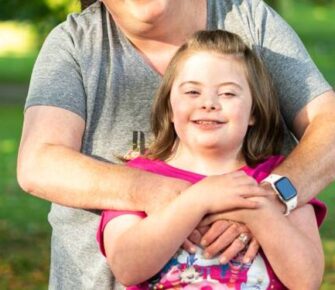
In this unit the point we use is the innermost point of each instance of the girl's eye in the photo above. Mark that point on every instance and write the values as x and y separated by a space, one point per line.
192 92
227 94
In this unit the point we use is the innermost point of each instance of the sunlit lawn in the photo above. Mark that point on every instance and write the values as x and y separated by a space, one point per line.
24 232
18 50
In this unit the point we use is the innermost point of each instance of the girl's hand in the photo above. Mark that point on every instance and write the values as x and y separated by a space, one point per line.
225 192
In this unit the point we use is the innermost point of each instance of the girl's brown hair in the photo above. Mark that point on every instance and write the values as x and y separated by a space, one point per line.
263 138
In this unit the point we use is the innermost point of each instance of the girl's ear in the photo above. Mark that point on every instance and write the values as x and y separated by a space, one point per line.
171 117
251 121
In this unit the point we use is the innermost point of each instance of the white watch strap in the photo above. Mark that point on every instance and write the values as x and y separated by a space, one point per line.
290 204
272 178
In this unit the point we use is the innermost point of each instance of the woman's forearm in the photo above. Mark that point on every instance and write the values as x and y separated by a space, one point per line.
67 177
51 167
295 254
313 158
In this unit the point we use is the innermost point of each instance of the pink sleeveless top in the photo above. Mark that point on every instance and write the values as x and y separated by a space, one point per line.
193 271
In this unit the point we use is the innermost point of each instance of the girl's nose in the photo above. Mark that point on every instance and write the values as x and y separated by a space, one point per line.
210 104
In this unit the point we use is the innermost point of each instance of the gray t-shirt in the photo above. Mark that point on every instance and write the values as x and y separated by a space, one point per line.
87 66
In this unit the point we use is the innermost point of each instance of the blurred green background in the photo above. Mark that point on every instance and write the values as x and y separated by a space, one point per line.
24 231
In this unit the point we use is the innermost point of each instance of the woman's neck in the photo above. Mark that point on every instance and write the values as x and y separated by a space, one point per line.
158 37
170 23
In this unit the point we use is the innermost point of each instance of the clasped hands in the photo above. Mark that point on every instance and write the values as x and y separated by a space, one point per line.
224 238
222 233
225 234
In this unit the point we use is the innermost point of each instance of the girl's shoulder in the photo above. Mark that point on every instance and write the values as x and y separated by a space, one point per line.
162 168
264 168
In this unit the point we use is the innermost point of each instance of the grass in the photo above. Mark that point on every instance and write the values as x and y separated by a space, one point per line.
16 69
24 231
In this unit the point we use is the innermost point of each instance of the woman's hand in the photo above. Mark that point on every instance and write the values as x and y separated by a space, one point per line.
223 238
228 233
227 239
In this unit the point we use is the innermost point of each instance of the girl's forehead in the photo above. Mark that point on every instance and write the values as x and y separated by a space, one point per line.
199 64
208 58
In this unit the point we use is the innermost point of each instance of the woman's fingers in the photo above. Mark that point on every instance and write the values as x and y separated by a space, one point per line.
188 246
195 237
251 252
223 241
237 246
214 231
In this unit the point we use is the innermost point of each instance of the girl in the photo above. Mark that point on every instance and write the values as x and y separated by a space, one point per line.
215 115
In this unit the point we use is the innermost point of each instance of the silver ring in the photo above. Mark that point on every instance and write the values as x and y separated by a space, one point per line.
243 238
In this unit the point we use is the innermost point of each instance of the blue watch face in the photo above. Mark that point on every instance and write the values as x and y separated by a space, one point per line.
285 188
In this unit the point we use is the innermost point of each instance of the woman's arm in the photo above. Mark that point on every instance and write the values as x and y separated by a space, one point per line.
313 158
137 249
51 167
291 244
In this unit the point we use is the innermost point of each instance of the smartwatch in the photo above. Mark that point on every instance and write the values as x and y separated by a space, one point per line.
285 190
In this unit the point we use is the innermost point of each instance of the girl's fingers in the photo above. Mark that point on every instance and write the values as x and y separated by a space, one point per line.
252 190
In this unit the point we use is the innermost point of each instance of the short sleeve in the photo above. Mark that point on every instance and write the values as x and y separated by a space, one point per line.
320 210
56 78
296 77
108 215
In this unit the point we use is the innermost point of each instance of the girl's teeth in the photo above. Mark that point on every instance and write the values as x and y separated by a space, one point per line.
206 122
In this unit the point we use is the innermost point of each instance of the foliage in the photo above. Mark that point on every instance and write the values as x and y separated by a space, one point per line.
44 14
37 10
315 26
274 4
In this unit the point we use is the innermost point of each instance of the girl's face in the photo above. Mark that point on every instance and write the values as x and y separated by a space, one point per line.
211 104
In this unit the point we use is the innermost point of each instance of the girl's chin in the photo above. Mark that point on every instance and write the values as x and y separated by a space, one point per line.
210 147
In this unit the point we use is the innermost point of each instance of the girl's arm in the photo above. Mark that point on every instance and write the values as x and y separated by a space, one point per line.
137 249
291 244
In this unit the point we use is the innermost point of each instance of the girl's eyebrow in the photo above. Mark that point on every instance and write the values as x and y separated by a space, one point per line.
230 84
219 85
189 82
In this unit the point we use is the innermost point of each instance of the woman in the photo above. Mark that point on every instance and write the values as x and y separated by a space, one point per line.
91 89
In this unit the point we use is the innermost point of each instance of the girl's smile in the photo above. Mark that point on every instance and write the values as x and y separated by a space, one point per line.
211 104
